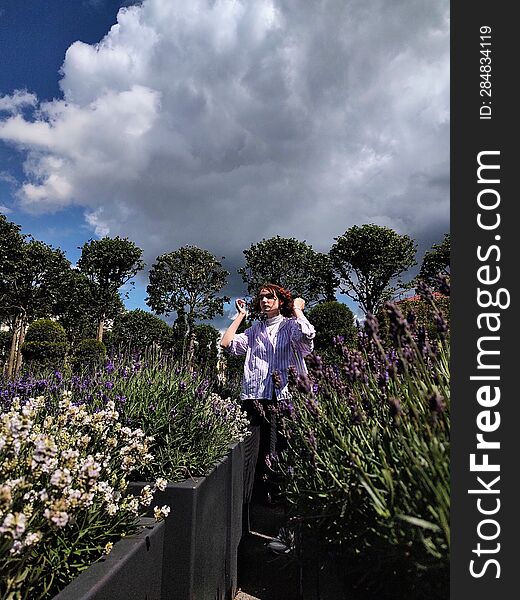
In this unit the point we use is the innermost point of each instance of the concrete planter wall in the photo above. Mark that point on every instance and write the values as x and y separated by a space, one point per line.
132 571
202 532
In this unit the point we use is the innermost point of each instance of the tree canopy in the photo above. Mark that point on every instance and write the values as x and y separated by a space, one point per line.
108 263
32 278
138 330
12 247
292 264
187 281
369 260
436 262
332 319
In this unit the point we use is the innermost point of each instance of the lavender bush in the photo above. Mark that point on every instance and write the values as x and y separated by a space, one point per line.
367 466
191 426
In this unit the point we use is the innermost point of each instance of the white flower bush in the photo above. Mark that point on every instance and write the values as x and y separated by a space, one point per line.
63 499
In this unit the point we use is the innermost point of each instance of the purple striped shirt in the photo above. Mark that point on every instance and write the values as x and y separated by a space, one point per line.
291 342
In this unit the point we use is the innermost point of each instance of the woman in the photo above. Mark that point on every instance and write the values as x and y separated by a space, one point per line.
278 341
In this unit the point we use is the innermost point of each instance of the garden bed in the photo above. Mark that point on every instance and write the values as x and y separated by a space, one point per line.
203 531
131 570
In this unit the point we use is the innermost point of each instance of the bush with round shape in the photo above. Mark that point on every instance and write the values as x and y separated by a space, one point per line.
88 355
332 320
45 345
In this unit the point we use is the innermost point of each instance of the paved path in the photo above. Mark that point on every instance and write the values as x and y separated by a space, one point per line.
263 575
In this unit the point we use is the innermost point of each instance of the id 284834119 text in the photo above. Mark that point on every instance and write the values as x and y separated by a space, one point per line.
486 88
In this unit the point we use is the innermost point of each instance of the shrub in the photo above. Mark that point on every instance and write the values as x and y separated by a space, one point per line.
64 474
422 311
89 354
46 330
45 345
367 466
137 330
191 425
206 353
333 321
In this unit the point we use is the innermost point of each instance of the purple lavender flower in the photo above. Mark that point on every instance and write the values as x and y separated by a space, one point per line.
436 403
110 367
304 384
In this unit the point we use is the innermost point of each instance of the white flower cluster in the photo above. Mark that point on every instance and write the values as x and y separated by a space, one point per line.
54 467
231 412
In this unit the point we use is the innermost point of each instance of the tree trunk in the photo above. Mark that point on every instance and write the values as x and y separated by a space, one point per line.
14 345
15 355
191 344
101 324
23 331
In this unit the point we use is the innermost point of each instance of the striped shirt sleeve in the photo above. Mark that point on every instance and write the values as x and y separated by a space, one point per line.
302 335
238 344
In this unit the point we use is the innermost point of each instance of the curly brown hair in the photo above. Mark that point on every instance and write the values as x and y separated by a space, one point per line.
284 297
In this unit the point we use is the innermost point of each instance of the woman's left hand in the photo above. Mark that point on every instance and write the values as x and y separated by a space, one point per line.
299 303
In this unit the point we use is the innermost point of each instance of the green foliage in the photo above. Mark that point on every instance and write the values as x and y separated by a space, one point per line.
436 262
137 330
367 469
31 275
12 244
5 345
206 348
292 264
89 354
63 476
425 313
35 282
367 259
76 306
187 281
45 345
109 263
332 320
45 330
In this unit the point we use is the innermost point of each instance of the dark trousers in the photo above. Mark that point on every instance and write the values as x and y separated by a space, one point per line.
264 442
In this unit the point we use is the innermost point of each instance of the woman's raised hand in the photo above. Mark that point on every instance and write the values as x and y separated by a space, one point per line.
241 306
299 303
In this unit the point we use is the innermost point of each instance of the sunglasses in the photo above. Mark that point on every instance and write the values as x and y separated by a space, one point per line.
267 296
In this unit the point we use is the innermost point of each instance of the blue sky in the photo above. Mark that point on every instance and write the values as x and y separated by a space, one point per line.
221 123
34 36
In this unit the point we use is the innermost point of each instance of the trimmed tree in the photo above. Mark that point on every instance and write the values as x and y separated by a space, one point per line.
35 283
369 261
332 320
291 264
188 282
108 263
436 263
12 245
76 308
206 348
138 330
45 345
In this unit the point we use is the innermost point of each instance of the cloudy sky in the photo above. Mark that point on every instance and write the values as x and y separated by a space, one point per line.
222 122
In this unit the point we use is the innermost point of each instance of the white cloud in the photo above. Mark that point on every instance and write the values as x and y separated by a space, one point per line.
220 123
15 102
